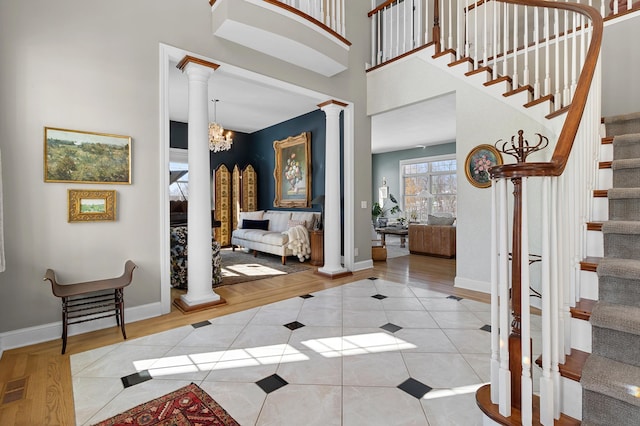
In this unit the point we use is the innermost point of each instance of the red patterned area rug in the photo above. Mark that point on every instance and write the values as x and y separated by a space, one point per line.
186 406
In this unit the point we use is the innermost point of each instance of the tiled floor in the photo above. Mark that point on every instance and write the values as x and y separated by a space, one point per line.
371 352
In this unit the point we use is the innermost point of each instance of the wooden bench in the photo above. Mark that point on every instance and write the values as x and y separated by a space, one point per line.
87 301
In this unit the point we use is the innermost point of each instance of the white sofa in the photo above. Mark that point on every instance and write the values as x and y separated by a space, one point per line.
274 239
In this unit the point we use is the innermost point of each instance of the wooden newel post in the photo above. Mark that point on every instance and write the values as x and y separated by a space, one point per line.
519 149
515 341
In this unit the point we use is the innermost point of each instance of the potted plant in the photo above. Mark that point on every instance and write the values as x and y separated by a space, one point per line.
379 212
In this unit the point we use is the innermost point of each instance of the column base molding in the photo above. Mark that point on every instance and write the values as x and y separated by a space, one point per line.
187 309
333 274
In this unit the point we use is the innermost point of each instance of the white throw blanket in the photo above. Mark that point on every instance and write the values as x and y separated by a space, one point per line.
299 242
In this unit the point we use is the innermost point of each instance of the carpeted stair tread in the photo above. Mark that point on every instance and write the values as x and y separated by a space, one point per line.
622 318
621 268
611 378
626 146
622 124
625 164
623 193
621 227
629 138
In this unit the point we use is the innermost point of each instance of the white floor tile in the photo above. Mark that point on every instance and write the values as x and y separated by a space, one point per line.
374 369
302 405
411 319
243 401
457 319
381 406
342 368
456 410
442 371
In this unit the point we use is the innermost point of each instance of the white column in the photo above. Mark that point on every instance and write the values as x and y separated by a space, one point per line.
199 270
332 229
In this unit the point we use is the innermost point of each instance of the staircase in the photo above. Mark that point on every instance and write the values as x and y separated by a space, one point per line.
611 374
593 313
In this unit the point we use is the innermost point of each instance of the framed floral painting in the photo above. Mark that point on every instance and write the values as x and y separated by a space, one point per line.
478 162
293 171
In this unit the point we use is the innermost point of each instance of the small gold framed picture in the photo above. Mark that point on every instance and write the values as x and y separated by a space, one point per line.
91 206
478 162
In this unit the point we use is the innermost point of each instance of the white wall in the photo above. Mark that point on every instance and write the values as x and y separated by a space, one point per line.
480 119
620 82
95 66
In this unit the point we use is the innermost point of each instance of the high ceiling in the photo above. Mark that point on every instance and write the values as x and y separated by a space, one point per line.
421 124
248 105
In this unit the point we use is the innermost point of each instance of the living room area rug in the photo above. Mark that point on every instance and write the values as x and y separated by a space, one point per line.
393 247
186 406
239 266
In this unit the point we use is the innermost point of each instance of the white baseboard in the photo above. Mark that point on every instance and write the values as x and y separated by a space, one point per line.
469 284
361 266
46 332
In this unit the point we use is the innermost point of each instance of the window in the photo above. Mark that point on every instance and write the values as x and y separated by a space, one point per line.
429 185
178 174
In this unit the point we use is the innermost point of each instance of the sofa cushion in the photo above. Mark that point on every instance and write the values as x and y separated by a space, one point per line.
255 224
278 220
293 223
440 220
262 236
309 217
255 215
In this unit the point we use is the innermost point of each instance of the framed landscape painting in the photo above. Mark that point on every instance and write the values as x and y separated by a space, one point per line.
293 171
91 206
86 157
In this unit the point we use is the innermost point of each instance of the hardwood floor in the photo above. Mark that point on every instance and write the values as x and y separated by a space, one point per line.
46 397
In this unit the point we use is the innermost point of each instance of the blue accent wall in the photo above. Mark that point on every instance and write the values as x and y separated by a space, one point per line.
263 155
387 165
257 149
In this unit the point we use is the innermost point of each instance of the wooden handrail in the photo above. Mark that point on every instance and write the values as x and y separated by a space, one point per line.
574 115
381 7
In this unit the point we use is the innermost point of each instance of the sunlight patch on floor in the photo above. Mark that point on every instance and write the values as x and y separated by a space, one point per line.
330 347
250 269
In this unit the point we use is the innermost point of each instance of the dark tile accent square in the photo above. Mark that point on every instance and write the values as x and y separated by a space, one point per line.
379 296
201 324
392 328
136 378
271 383
486 327
372 278
307 296
454 298
414 388
294 325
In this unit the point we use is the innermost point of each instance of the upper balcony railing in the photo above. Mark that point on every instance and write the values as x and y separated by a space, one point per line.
327 12
401 26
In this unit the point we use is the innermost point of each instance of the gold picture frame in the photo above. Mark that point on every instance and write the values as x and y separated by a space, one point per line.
478 162
87 205
76 156
292 171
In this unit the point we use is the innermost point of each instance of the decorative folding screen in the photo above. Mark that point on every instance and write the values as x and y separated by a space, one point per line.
245 192
223 205
237 187
236 192
249 189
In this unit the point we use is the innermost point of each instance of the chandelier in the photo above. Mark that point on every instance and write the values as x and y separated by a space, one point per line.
218 141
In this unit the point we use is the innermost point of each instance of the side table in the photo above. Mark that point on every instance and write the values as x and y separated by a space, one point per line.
317 248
